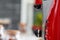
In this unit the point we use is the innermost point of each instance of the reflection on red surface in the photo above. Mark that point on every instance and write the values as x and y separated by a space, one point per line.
57 23
49 24
53 23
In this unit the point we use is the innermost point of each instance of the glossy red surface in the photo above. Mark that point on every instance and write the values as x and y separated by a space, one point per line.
57 23
53 22
49 24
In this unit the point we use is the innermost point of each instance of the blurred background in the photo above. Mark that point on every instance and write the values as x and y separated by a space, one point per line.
10 11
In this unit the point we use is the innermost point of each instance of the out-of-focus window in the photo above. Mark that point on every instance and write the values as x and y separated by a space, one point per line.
10 9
